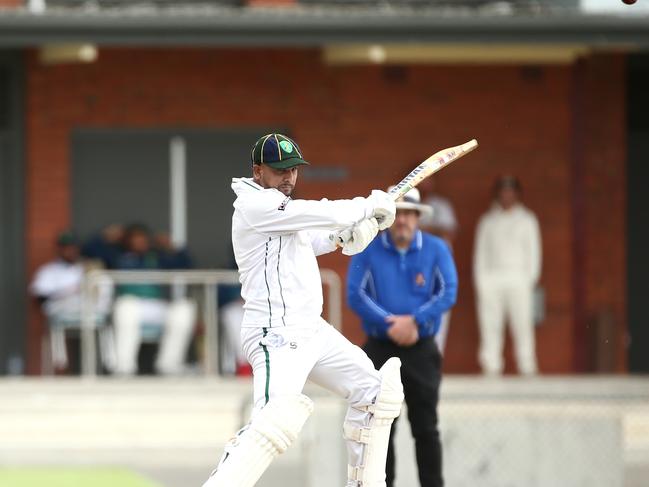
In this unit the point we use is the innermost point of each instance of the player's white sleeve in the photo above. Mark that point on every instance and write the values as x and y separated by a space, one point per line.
444 216
321 242
534 249
275 214
44 283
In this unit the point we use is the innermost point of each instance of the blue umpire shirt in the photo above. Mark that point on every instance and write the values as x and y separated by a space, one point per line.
420 281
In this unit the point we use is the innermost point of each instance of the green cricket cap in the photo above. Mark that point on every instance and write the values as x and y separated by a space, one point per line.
67 238
277 151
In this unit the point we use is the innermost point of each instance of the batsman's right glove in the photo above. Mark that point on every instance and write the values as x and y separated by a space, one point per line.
384 208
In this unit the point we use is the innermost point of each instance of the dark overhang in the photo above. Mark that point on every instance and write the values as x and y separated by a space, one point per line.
303 27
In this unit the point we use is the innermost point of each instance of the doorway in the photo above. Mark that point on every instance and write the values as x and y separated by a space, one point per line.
13 291
174 181
637 208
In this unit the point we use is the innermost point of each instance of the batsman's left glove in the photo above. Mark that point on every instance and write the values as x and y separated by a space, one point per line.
362 234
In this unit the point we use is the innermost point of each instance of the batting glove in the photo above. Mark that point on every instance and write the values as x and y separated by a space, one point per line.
384 208
362 234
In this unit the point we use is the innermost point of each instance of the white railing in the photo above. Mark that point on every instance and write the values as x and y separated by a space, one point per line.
208 279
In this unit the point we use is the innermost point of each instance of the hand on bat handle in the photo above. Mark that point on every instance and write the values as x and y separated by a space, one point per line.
361 235
384 208
383 213
343 237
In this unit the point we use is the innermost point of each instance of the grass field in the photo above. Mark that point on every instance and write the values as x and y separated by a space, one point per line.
72 477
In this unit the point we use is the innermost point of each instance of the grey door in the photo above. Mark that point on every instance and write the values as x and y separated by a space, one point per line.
122 176
637 208
12 261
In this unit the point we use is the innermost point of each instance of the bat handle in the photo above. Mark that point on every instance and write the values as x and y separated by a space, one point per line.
344 237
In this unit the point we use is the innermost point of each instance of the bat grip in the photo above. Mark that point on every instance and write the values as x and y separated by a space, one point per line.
344 237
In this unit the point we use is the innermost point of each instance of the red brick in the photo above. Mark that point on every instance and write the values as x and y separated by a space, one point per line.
377 127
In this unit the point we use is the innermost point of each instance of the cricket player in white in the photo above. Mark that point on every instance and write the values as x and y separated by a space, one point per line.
276 240
507 266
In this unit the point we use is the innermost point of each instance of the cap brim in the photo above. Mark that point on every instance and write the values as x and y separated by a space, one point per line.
424 210
287 163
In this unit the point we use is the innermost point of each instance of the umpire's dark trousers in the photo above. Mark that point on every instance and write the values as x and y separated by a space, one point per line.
421 375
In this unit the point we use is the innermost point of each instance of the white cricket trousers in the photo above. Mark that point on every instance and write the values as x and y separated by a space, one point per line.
283 358
177 318
503 298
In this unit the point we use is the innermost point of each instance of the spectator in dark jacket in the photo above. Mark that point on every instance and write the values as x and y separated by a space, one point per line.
144 304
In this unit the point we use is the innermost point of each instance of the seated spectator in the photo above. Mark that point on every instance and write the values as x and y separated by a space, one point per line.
105 246
170 256
58 285
146 304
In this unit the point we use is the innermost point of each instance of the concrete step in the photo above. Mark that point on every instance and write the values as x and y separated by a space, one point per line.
171 426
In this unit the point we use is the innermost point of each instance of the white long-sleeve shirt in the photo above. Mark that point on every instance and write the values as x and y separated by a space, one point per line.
60 282
507 245
443 217
57 279
276 241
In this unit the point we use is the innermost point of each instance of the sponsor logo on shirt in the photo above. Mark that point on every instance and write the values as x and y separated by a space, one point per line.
420 280
273 340
282 207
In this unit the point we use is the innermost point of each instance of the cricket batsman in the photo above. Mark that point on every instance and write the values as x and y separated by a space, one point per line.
276 240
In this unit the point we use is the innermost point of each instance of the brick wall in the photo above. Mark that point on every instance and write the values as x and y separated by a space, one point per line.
11 3
604 225
376 121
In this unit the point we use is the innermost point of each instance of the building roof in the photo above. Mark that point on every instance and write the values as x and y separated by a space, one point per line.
315 23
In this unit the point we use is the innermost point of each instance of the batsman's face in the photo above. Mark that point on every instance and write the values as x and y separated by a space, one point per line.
69 253
404 227
281 179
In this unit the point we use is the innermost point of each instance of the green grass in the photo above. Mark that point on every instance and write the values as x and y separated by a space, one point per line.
72 477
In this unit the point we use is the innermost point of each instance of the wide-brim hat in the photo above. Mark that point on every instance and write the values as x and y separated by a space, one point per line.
412 201
277 151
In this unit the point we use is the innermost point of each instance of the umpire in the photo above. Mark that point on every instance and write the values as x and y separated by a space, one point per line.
400 286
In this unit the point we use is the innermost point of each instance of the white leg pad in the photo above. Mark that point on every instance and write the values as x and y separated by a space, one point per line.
376 435
269 434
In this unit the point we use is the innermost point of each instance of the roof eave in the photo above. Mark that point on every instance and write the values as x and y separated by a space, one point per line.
257 29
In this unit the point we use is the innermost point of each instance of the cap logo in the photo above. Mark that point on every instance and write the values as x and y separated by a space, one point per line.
286 146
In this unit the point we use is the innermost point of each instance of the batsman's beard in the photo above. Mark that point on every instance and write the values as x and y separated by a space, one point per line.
286 188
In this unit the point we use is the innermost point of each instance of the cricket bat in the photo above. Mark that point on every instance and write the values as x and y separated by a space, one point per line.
430 166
